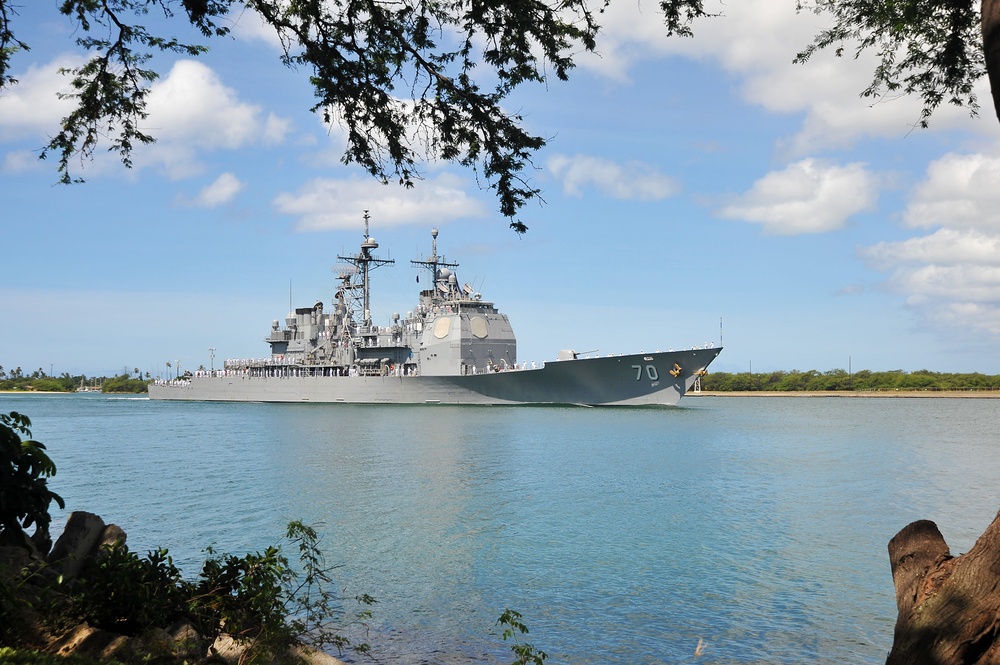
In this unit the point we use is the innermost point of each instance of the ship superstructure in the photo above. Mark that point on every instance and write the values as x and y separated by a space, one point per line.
454 347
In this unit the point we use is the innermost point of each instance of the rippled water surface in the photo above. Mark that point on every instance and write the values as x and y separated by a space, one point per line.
622 535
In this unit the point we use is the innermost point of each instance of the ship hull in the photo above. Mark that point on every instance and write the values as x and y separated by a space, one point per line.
643 379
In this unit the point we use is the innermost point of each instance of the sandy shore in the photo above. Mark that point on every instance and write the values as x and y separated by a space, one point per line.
958 394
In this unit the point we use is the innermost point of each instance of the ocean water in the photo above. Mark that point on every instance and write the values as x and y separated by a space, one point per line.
758 525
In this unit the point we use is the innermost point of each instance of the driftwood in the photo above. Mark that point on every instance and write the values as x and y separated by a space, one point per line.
949 607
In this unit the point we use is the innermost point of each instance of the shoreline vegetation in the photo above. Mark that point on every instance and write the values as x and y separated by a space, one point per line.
843 382
17 381
862 394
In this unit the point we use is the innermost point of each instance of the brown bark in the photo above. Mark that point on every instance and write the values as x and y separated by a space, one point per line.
949 607
990 15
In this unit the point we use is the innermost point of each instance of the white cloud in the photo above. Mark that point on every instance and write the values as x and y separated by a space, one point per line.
32 106
951 276
943 247
630 181
248 25
222 190
806 197
20 161
952 299
191 110
970 317
191 103
275 129
829 89
755 42
959 191
325 203
961 285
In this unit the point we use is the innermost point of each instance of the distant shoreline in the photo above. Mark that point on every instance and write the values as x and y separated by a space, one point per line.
956 394
61 392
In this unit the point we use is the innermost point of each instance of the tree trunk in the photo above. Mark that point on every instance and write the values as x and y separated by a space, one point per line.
990 13
949 607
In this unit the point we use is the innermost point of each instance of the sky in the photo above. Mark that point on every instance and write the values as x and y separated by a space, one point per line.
694 189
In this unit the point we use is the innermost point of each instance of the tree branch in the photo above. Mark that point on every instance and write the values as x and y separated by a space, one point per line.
990 13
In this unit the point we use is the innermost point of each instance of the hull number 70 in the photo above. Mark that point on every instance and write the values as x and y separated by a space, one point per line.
650 372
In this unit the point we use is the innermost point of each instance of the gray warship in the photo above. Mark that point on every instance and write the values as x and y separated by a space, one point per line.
453 348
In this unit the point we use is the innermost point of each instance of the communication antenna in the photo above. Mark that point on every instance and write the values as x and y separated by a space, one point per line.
720 331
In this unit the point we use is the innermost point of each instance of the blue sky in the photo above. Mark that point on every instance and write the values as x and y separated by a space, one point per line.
685 181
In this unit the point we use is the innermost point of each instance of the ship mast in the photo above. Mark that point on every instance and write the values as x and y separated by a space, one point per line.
365 262
434 263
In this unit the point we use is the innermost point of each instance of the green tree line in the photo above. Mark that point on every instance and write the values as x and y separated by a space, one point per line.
839 379
39 381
